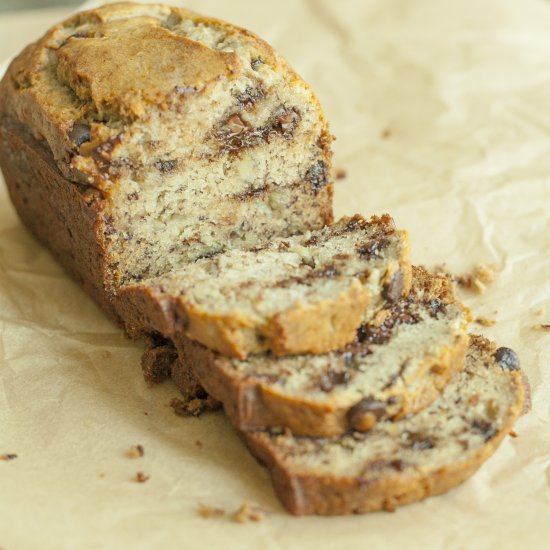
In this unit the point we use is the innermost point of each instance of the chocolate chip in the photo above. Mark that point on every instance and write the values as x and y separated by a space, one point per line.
329 379
373 335
507 359
357 222
166 166
381 464
418 441
79 134
364 414
485 428
250 97
394 289
316 176
326 271
286 122
255 63
373 248
235 125
313 240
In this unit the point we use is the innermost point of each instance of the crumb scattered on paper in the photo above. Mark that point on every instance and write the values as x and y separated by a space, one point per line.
135 451
477 280
198 444
542 326
209 512
539 312
249 511
513 433
8 456
485 322
386 134
188 407
141 477
340 174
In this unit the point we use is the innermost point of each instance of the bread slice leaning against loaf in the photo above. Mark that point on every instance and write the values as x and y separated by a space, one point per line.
303 294
398 463
135 138
397 366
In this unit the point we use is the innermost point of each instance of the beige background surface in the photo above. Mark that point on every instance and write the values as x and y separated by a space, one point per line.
442 113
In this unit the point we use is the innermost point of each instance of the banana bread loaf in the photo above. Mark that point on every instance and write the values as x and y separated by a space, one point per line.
135 138
304 294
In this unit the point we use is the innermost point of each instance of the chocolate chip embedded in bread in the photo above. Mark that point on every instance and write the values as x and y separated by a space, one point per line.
394 289
507 358
332 378
166 166
484 428
79 134
316 176
364 415
373 247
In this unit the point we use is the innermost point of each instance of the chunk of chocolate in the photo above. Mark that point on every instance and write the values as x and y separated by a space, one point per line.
79 134
507 358
316 176
364 415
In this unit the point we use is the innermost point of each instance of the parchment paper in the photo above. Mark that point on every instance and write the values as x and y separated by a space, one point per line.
442 113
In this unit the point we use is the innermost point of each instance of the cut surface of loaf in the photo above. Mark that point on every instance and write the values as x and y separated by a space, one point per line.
135 138
303 294
398 463
398 364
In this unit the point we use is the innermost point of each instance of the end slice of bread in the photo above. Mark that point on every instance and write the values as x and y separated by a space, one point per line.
397 463
303 294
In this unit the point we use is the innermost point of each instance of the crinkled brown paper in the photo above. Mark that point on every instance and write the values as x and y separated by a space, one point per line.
442 113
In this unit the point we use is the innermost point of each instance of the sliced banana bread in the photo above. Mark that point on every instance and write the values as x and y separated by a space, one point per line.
398 463
135 138
397 366
304 294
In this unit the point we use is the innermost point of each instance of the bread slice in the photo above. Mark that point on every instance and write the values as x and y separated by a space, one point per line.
397 463
135 138
397 366
304 294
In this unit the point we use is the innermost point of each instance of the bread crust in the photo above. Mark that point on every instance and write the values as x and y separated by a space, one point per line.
321 494
62 215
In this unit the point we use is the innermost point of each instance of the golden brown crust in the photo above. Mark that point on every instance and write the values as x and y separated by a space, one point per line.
60 214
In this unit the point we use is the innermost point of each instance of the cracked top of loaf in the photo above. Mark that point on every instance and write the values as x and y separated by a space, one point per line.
99 87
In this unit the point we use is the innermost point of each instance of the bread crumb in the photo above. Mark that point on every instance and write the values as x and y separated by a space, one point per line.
249 511
102 475
539 312
135 451
8 456
199 444
141 477
513 433
542 327
340 174
208 512
386 134
485 322
189 407
481 276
